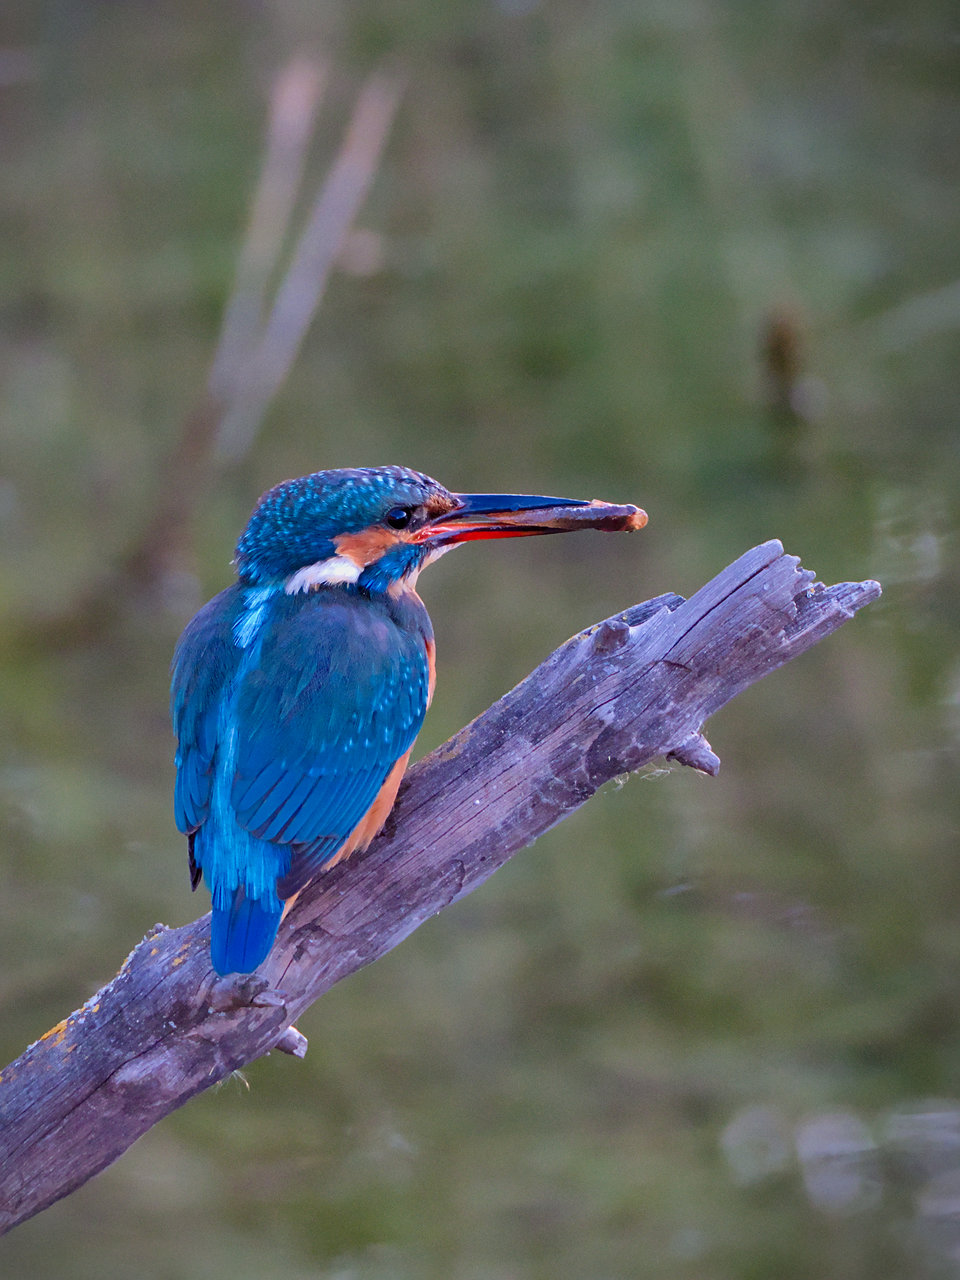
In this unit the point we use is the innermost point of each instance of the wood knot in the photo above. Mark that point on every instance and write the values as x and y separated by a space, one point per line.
611 634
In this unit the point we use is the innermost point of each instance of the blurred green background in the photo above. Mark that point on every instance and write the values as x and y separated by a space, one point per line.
695 254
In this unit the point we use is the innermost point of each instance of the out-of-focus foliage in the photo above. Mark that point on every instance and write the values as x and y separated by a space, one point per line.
700 255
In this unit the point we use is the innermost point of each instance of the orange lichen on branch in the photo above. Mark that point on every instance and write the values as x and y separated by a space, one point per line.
56 1033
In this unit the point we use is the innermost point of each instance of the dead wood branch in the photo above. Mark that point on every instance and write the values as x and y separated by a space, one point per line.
638 686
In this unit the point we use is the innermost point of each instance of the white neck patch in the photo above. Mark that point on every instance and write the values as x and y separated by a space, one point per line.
325 573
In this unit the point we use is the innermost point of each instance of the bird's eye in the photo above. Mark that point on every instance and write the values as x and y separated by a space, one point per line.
398 517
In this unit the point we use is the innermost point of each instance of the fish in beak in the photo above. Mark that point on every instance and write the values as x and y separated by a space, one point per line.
520 515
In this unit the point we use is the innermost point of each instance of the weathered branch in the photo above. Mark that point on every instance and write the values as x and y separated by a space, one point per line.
635 687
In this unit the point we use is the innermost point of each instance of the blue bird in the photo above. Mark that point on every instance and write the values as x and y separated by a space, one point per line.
297 693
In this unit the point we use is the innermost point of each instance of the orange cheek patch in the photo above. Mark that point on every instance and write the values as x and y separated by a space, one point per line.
368 545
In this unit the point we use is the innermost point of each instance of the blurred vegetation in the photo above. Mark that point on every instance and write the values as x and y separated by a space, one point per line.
701 255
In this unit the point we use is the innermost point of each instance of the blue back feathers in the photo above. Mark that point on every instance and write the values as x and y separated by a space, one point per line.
290 711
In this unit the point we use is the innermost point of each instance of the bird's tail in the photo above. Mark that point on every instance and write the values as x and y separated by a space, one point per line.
242 932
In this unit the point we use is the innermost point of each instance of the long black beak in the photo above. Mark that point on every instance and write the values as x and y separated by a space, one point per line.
520 515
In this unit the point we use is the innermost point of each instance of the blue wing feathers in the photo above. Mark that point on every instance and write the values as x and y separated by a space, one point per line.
320 756
285 742
204 663
298 789
249 793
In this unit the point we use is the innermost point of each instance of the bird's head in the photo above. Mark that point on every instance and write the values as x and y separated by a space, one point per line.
377 527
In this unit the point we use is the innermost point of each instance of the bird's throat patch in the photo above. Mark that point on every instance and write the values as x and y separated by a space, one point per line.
333 572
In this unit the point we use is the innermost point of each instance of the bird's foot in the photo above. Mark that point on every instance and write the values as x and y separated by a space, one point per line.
237 990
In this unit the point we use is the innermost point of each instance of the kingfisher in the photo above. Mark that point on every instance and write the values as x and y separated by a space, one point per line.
297 693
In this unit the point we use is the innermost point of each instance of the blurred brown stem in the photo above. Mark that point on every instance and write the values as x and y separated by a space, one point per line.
293 108
262 370
258 342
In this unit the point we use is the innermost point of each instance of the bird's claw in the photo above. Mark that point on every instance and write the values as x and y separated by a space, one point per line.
239 990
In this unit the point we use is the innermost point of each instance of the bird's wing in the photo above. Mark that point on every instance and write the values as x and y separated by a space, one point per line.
338 695
204 663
